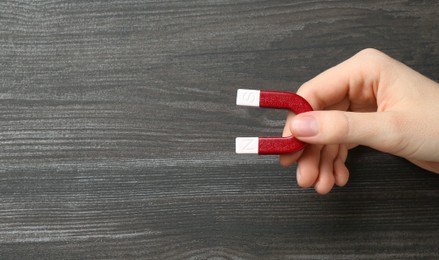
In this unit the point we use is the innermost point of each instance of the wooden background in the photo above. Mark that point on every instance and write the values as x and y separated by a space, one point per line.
118 119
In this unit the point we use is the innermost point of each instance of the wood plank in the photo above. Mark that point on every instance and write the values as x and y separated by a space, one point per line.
117 126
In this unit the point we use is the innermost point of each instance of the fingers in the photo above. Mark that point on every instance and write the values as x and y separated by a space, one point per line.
377 130
322 166
326 179
308 166
290 159
341 172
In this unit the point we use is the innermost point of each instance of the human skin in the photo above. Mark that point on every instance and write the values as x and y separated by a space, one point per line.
370 99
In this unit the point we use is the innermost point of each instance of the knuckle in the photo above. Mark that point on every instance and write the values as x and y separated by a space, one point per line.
370 53
337 128
346 126
372 58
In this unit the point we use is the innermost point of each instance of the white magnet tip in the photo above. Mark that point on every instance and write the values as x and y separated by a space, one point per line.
248 97
247 145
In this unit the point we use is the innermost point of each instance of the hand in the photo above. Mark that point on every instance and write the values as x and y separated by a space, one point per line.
369 99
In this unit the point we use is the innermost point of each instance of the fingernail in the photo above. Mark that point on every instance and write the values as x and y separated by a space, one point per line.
298 175
304 126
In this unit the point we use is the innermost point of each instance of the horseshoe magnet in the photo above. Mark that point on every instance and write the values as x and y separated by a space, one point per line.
270 99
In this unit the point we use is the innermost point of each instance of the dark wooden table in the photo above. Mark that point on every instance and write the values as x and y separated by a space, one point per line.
118 118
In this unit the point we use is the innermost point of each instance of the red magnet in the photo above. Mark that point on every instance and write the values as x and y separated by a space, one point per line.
270 99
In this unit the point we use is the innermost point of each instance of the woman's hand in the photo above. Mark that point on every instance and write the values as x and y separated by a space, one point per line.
369 99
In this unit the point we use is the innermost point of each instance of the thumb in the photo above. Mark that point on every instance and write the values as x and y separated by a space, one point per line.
376 130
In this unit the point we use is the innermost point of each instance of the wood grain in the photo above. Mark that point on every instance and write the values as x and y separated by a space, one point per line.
117 126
